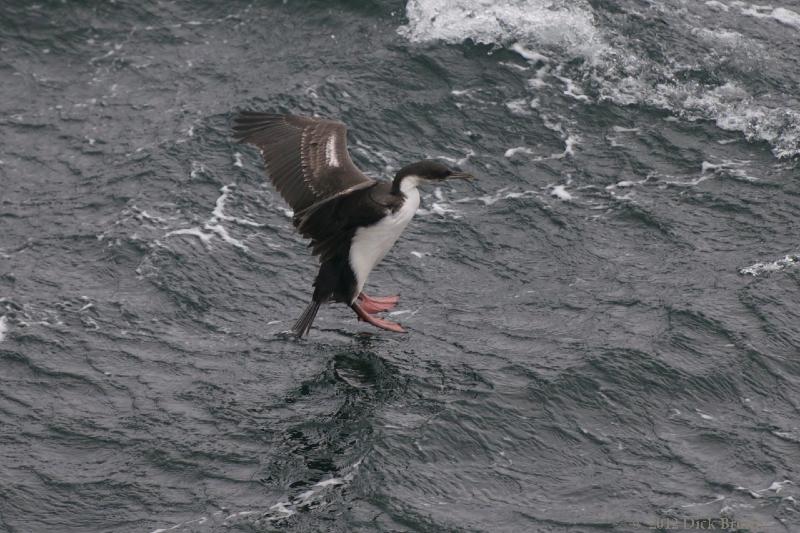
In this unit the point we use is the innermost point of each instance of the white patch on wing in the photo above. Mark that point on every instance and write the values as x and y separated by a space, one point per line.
370 244
331 158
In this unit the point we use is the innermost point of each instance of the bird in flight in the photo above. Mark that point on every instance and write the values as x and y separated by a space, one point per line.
352 220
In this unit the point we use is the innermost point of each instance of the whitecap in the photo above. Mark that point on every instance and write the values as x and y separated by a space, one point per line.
572 90
773 266
205 238
560 192
513 65
566 25
624 184
778 485
780 14
530 55
786 16
714 4
511 152
548 33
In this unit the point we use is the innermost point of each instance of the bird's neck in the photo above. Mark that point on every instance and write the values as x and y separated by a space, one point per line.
405 184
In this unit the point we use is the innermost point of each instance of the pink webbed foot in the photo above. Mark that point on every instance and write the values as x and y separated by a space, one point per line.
376 305
376 321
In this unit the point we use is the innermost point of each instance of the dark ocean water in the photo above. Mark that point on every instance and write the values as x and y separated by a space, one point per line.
604 329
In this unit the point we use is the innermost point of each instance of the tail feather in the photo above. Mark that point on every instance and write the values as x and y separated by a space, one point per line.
303 323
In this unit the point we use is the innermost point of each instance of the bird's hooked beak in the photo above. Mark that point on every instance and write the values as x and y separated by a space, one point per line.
461 176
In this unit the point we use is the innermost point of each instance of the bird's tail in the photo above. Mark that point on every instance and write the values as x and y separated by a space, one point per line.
303 323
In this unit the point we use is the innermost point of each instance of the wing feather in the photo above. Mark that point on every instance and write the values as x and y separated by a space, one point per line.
306 158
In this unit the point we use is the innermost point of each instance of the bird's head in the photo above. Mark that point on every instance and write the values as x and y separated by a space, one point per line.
426 171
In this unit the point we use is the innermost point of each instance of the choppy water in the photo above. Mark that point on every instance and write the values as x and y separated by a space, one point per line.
604 329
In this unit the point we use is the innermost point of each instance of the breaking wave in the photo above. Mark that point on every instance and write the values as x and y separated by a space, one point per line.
735 78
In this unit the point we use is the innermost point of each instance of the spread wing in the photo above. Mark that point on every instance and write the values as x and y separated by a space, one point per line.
306 158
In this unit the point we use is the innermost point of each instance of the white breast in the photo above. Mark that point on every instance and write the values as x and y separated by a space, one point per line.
370 244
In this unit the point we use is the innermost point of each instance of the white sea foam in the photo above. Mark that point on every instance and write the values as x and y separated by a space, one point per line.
219 210
281 510
440 206
470 94
3 327
689 183
197 168
572 90
511 152
731 107
403 312
780 14
224 235
539 80
777 486
772 266
787 16
213 227
521 106
498 196
560 192
625 184
205 238
278 511
728 168
530 55
717 499
548 33
569 145
565 24
621 129
513 65
330 482
703 415
458 162
714 4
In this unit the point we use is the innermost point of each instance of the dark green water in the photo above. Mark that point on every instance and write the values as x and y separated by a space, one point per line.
604 330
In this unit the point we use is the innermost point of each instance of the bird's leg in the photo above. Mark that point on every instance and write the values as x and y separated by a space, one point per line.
375 321
375 305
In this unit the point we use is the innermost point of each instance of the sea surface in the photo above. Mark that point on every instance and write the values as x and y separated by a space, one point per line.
604 329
